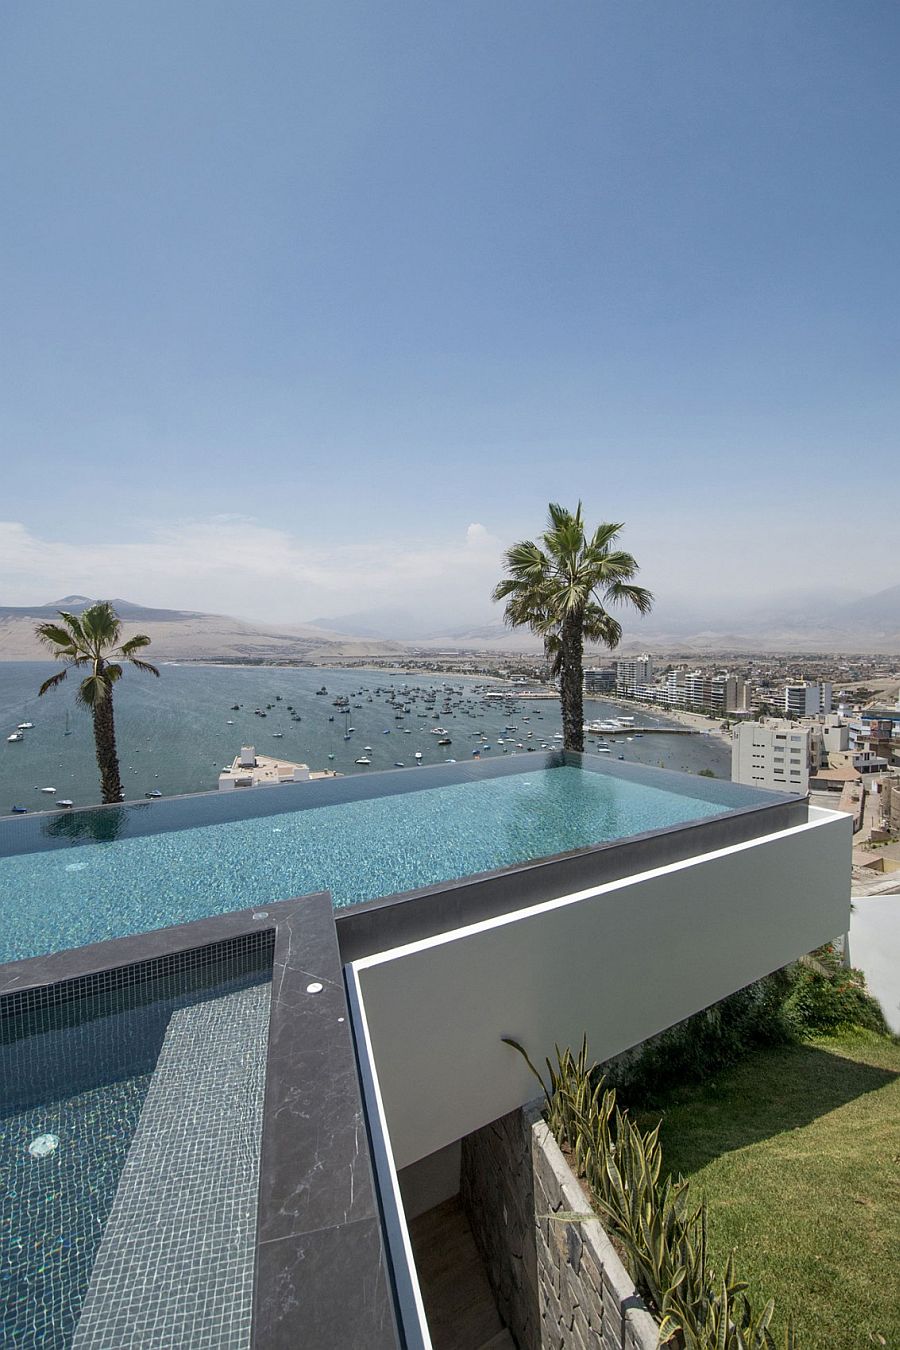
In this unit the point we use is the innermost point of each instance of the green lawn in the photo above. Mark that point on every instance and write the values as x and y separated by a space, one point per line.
797 1150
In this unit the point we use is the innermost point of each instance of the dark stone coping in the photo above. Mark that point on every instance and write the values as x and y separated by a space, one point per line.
105 824
323 1276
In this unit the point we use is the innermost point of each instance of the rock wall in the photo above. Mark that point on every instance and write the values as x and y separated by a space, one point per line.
558 1282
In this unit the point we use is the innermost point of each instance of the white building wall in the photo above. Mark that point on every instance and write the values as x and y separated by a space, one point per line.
617 962
771 755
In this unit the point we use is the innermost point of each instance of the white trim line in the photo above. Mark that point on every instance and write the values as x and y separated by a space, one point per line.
547 906
414 1324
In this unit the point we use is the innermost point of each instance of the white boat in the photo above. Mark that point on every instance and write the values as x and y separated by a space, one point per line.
50 790
154 792
16 736
364 759
65 801
25 726
417 755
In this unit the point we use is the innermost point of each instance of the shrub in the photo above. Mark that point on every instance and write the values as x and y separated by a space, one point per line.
825 997
814 996
705 1043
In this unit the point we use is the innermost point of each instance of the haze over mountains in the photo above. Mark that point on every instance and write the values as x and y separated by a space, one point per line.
813 622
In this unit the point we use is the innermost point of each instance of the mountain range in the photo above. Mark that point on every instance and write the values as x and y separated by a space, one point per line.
796 621
185 635
799 622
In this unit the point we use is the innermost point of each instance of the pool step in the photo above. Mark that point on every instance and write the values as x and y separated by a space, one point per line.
175 1265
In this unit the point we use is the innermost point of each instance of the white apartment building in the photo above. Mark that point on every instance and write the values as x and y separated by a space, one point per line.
807 699
630 673
696 691
776 754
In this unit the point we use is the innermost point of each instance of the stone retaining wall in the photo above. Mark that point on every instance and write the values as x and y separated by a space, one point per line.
559 1284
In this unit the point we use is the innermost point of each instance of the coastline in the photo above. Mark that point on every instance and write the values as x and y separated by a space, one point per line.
696 721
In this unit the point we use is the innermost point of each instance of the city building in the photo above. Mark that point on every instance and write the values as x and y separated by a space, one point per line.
250 770
634 671
776 753
698 691
600 679
807 698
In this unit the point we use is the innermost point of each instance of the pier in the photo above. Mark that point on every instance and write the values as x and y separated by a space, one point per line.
644 731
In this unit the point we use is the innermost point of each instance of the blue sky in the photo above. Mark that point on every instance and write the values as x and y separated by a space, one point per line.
308 308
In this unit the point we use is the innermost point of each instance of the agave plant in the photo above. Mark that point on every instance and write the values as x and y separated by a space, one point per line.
663 1233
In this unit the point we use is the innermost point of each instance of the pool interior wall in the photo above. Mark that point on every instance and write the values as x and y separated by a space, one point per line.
116 1211
386 834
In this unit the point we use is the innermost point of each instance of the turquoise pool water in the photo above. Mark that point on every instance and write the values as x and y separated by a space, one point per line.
69 896
126 1217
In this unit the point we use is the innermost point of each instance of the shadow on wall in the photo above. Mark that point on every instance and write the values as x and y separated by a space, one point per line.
728 1115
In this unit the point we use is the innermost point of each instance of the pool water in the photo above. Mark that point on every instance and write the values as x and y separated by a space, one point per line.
129 1220
358 850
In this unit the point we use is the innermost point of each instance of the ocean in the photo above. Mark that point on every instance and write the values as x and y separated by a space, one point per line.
174 734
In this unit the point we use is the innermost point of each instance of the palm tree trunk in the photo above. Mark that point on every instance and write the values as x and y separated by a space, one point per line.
105 744
571 682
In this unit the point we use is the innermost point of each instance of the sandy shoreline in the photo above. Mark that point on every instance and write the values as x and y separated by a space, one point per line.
696 721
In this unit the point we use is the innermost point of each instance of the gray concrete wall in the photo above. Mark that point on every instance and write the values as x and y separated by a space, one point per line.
559 1284
617 963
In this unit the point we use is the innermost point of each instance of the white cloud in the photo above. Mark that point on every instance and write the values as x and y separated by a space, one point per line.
234 565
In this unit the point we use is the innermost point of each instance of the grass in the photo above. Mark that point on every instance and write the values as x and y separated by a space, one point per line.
797 1150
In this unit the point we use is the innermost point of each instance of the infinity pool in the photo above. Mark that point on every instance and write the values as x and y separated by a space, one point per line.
71 890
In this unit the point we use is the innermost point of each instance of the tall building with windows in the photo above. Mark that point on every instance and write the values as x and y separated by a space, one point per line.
807 699
776 754
632 672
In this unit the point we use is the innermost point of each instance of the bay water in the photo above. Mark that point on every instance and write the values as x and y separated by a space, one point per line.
177 732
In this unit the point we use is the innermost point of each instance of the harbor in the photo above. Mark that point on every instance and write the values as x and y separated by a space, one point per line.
179 733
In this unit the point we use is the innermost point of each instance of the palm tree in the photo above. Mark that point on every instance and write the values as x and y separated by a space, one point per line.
559 587
91 639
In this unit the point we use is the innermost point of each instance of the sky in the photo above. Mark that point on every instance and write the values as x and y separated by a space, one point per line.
310 309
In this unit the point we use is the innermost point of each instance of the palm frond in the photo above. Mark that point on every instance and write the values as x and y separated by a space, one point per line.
145 666
638 597
74 623
53 681
53 635
101 624
604 535
599 626
563 583
93 690
134 644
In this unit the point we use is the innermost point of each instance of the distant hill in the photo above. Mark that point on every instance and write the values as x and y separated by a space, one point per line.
795 623
190 635
800 621
76 604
